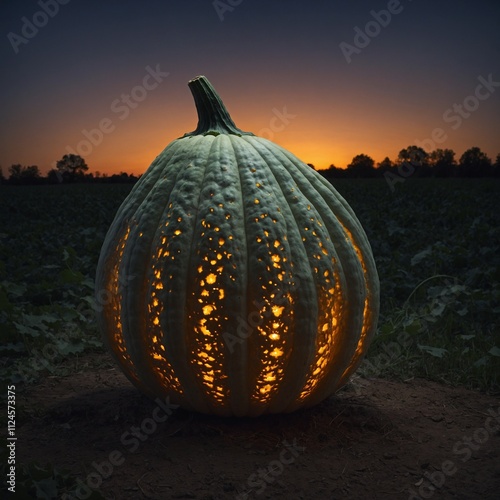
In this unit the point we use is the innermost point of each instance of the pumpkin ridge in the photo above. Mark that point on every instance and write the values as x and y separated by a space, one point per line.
239 147
240 395
135 325
345 265
344 258
171 314
144 210
297 368
250 189
356 235
208 164
111 309
120 230
319 180
216 213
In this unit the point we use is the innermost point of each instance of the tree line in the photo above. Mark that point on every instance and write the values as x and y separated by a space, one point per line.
70 168
413 159
438 163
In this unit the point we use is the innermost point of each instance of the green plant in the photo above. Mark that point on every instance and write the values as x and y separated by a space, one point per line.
234 278
434 335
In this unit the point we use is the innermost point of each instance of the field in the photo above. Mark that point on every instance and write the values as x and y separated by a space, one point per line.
430 381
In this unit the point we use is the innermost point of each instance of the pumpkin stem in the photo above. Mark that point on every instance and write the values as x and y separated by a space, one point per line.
213 117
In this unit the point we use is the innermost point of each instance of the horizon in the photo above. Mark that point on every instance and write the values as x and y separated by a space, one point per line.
395 161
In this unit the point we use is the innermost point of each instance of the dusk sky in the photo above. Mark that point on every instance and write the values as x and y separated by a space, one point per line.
327 80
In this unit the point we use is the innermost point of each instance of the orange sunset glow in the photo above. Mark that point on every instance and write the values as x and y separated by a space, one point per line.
110 82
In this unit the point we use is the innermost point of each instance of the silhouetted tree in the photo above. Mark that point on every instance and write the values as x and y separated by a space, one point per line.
496 166
312 166
361 166
442 163
54 176
414 157
386 167
123 177
2 177
333 172
31 174
19 174
385 164
475 163
413 154
15 173
72 167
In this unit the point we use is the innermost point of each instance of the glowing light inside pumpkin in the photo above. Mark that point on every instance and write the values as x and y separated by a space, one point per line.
367 309
207 306
114 309
330 303
276 312
276 353
207 310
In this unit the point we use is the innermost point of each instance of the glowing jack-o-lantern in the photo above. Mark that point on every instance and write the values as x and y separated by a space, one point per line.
235 279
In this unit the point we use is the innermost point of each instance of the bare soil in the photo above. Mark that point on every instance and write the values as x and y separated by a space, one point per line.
375 439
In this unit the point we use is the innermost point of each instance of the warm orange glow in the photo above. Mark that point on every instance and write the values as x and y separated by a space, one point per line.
277 310
207 309
276 353
211 278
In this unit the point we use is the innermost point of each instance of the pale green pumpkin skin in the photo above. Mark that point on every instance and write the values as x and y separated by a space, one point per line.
236 280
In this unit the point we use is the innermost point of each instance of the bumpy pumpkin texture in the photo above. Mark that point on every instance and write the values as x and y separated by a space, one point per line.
235 279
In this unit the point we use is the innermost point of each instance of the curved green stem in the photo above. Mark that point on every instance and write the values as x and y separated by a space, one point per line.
213 117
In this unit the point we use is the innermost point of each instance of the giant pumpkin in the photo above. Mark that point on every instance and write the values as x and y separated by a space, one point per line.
235 280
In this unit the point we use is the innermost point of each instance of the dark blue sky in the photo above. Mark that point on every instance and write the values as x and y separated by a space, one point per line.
278 66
